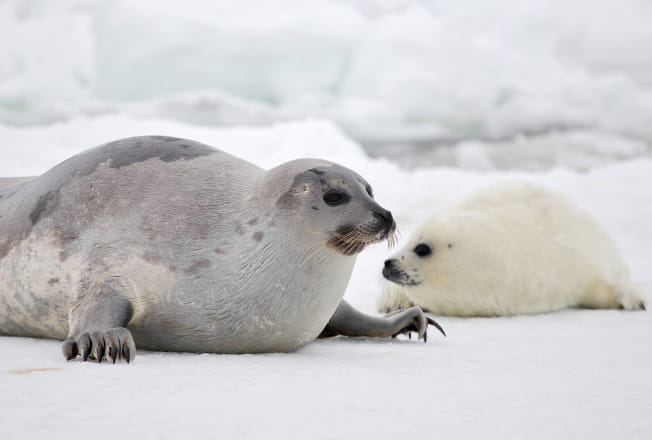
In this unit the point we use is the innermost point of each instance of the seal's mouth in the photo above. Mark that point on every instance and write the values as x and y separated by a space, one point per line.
394 273
350 240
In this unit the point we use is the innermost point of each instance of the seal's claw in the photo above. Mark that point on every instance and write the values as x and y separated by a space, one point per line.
412 320
113 343
435 324
84 346
112 353
69 349
99 345
116 343
126 353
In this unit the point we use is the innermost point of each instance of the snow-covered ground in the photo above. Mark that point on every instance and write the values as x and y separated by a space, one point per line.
571 375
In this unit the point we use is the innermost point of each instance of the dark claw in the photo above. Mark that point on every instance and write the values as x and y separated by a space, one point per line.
115 344
100 346
100 353
84 346
436 325
126 353
642 305
70 350
114 353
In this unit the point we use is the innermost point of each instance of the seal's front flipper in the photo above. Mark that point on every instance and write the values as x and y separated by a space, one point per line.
113 344
98 328
348 321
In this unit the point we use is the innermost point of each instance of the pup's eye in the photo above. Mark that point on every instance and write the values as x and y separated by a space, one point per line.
335 197
370 191
422 250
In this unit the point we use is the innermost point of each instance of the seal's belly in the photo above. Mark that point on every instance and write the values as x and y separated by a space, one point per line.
35 290
244 329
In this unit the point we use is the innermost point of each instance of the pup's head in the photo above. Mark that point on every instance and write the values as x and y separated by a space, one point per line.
447 253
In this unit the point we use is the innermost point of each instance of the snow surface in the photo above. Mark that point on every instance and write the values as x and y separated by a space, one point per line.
575 374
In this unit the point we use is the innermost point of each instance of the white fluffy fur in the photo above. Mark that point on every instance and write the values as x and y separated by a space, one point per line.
511 249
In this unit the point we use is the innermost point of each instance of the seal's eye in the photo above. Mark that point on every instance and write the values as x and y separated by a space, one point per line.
370 191
335 197
422 250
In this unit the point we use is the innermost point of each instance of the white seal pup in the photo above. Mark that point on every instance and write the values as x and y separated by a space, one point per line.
174 245
512 248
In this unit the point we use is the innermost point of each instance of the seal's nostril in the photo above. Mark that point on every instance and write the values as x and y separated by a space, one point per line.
391 226
386 218
388 263
389 217
381 216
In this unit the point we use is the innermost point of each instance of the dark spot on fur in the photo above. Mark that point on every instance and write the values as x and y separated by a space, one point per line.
253 221
238 228
128 151
152 258
63 256
258 235
168 149
219 251
53 281
315 208
5 247
450 245
42 205
65 235
197 265
309 177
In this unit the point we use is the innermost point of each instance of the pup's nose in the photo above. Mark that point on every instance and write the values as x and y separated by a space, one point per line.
388 263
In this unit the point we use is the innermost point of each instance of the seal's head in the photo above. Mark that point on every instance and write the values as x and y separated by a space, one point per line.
449 252
334 203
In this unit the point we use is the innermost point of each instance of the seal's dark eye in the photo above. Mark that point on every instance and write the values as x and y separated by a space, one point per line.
335 197
422 250
370 191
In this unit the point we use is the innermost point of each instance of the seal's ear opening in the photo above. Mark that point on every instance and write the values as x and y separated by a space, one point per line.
302 188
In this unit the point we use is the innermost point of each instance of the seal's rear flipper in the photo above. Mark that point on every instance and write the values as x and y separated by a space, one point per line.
348 321
631 298
98 324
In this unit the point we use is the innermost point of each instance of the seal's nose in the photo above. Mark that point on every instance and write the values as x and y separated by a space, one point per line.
387 219
389 271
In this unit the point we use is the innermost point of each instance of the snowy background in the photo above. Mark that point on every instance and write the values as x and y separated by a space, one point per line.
428 100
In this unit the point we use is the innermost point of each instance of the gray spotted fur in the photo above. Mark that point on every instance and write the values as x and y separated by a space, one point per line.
210 252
